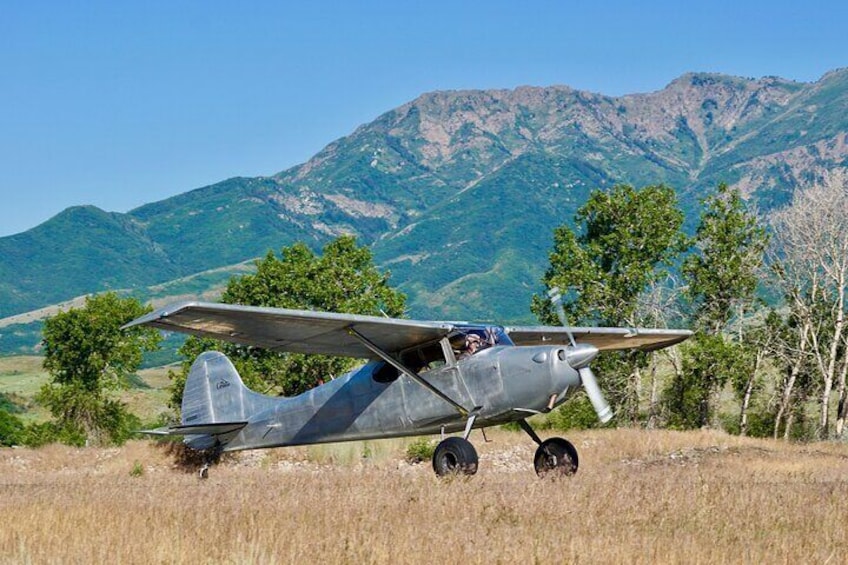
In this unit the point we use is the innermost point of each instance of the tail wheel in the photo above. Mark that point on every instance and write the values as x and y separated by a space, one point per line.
455 456
557 457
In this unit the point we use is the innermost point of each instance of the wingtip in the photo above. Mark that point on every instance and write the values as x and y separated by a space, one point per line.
163 312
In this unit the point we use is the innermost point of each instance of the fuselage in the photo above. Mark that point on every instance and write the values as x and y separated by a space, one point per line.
499 384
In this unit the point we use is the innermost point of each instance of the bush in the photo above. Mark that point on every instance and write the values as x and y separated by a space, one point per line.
11 429
36 435
420 450
576 413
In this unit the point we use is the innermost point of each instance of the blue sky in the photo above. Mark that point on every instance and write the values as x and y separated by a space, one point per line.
120 103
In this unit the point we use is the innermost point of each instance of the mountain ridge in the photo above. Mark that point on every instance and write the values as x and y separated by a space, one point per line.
457 191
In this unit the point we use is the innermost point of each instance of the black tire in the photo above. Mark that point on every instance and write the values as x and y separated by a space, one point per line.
556 457
455 456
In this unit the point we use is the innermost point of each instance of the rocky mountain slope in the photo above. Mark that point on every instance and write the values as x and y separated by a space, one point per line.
458 192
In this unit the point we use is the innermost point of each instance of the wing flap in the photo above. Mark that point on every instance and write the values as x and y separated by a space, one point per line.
293 331
605 339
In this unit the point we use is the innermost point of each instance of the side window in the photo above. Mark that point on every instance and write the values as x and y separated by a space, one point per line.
425 358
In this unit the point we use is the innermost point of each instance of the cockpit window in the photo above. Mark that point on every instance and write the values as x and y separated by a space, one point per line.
470 340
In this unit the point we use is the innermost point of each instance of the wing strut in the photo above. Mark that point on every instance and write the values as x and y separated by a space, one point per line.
406 371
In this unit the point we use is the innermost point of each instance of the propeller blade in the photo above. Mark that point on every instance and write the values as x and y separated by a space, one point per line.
596 397
579 357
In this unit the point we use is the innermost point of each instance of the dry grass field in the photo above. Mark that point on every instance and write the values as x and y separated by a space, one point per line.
640 497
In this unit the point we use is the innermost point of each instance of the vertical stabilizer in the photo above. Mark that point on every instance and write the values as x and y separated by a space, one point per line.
214 393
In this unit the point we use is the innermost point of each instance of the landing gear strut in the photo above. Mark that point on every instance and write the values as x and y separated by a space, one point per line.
554 457
210 457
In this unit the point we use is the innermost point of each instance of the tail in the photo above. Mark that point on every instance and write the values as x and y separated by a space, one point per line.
214 392
216 404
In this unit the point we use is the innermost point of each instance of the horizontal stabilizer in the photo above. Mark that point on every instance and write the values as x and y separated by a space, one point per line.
165 431
217 429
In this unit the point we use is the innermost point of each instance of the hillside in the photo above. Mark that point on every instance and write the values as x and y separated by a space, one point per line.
458 192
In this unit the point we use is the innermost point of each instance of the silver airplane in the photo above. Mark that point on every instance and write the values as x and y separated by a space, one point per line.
421 377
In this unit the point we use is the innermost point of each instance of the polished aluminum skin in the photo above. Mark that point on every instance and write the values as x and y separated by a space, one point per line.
421 377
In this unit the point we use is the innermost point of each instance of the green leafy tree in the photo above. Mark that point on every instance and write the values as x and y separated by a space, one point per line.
723 273
342 279
721 278
625 238
88 356
710 362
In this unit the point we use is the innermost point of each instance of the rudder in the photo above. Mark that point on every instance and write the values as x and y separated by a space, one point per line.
214 392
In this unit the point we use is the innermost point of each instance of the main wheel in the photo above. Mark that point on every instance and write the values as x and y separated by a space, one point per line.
555 456
455 456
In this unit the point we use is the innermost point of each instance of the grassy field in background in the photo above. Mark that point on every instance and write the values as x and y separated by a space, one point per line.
639 497
21 377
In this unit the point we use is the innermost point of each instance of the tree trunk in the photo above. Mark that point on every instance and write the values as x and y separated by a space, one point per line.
652 410
637 394
842 405
746 399
794 370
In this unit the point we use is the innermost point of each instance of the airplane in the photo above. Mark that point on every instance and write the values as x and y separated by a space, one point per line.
420 378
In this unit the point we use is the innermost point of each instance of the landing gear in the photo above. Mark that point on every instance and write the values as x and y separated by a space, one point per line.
557 457
210 457
554 457
455 456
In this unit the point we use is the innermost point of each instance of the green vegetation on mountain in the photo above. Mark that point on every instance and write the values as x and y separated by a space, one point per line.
457 192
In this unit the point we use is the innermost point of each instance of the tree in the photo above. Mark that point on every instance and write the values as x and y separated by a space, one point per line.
723 273
710 361
625 238
343 279
810 259
87 356
721 278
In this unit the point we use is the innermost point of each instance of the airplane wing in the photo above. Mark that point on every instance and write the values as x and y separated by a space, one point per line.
605 339
293 331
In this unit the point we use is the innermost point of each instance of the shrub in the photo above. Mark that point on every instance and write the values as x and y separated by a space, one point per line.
576 413
11 429
137 470
420 450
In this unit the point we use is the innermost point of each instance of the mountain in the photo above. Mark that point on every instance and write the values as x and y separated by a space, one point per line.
458 192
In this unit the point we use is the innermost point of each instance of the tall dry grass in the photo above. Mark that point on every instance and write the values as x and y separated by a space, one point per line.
639 497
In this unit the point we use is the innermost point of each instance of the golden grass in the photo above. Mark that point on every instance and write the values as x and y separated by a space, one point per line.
640 497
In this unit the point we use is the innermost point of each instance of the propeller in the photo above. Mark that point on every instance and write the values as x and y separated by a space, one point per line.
579 359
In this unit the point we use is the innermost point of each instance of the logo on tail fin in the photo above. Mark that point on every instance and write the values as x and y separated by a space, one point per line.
222 384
